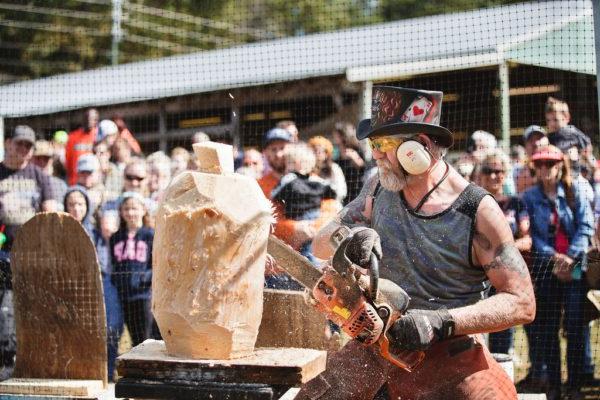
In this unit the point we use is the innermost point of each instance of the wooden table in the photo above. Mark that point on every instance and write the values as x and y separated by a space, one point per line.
147 371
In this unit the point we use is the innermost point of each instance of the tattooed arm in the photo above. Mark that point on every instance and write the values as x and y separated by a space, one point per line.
495 251
356 213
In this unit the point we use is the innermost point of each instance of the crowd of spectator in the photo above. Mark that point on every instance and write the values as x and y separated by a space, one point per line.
548 189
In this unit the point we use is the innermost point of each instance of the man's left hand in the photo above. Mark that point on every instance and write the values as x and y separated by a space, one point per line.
419 329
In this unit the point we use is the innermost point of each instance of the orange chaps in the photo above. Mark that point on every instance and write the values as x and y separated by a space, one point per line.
459 368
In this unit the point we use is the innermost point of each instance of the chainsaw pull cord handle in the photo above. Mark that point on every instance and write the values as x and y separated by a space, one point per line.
374 277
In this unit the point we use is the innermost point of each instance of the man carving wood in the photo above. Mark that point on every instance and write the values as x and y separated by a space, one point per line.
444 241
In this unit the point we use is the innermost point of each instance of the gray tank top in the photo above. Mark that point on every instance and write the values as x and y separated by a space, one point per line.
429 256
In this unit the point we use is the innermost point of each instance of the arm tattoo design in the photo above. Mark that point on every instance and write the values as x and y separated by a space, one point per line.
508 257
353 213
482 241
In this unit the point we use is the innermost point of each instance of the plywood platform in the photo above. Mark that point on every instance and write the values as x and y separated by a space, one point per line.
271 366
51 387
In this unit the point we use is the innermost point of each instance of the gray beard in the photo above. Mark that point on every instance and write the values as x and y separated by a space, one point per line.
390 179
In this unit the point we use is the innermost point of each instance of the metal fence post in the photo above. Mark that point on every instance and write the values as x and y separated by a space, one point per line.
596 8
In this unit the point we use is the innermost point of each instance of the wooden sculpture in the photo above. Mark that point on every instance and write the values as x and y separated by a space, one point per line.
59 306
208 259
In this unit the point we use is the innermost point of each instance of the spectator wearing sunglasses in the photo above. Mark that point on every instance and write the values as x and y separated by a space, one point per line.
494 170
561 227
135 180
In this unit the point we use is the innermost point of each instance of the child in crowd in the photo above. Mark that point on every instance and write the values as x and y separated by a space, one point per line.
131 256
300 191
109 224
77 204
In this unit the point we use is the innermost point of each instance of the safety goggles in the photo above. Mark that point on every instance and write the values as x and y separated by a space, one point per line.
385 143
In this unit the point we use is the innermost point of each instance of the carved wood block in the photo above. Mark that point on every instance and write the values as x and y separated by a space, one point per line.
208 260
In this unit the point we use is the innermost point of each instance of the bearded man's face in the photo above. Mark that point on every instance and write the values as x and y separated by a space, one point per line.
391 179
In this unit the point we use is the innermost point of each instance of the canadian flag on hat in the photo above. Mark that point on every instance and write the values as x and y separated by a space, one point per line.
417 111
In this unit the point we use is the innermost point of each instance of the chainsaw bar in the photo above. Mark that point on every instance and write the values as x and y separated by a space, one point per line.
294 263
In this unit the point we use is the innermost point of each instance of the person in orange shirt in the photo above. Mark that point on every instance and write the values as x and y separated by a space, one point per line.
275 143
81 141
126 134
294 233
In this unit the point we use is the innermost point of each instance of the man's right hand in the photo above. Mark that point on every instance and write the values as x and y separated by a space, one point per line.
363 242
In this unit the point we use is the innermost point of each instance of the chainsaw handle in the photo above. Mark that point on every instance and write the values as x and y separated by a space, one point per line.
374 277
407 360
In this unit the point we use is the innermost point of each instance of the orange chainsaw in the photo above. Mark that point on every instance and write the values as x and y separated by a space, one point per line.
357 300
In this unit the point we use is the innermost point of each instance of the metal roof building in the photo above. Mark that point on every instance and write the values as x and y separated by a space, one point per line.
546 34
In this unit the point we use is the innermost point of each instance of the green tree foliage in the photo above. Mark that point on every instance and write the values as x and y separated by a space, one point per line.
391 10
45 37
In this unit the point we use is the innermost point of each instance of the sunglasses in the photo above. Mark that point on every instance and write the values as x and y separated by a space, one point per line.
385 143
546 163
489 171
134 178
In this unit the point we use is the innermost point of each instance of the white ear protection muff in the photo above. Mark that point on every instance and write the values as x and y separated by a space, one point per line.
413 157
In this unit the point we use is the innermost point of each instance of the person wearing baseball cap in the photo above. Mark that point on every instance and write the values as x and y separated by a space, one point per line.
107 131
44 158
88 176
441 239
534 137
24 190
295 233
562 224
16 173
275 142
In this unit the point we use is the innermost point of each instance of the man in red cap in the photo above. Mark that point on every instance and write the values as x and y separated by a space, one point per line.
445 242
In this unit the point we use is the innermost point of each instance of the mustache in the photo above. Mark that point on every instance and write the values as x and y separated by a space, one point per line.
383 163
390 179
387 166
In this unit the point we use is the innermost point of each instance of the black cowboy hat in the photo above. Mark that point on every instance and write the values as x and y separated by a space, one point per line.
398 111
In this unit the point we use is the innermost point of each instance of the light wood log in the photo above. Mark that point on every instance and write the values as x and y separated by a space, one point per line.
289 322
208 259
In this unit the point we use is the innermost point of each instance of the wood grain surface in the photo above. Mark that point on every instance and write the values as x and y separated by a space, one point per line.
209 259
287 321
59 306
284 366
54 387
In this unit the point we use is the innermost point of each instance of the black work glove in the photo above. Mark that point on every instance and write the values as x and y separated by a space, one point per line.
362 243
419 329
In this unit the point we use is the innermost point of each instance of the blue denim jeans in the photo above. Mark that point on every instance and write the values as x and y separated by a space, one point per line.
552 296
114 322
